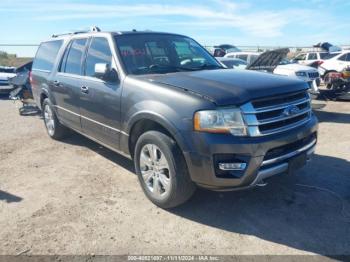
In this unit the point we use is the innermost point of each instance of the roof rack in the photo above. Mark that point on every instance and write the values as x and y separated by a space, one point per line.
92 29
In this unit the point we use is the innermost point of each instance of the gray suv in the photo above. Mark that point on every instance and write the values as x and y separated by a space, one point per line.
162 100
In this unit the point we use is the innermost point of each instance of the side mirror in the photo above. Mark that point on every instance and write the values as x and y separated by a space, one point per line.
101 70
104 72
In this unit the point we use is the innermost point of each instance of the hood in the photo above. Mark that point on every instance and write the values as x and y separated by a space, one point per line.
228 86
297 67
269 60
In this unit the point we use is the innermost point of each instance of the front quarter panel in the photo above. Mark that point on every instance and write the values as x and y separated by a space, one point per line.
169 106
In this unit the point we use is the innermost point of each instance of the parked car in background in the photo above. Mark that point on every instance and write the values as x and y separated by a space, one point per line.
249 57
275 62
6 73
162 100
313 59
335 64
235 63
221 50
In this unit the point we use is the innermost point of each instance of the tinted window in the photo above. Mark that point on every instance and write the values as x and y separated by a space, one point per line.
243 57
348 57
74 58
64 59
7 70
300 57
343 57
312 56
99 52
46 55
328 56
324 55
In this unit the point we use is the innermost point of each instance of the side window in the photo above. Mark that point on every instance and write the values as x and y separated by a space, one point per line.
343 57
300 57
74 57
348 58
64 58
243 57
46 55
312 56
99 52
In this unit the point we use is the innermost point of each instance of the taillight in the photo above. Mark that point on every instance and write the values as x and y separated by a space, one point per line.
319 63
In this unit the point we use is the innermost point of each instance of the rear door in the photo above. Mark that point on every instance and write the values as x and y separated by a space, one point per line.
99 98
65 85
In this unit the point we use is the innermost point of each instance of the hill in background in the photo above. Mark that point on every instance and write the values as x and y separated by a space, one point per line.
12 60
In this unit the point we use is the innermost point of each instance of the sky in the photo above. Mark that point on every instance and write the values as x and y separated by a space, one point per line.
238 22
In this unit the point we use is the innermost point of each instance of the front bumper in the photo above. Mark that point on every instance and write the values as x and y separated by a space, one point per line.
264 156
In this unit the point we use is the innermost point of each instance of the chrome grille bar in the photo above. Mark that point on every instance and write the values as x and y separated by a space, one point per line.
271 119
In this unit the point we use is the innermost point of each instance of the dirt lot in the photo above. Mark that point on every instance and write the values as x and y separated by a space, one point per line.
76 197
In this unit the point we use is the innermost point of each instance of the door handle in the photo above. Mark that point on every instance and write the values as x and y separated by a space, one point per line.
84 89
56 83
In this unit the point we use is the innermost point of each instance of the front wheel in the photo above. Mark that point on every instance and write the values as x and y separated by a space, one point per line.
162 170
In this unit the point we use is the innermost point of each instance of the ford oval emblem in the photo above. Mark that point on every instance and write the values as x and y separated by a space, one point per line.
291 110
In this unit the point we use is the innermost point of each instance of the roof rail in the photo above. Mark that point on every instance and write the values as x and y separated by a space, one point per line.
92 29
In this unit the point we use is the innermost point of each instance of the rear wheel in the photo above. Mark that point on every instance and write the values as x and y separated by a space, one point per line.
53 127
162 170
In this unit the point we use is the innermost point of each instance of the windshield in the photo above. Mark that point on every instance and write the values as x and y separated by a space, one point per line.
7 70
162 53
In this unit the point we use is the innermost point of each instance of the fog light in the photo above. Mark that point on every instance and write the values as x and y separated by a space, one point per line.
232 166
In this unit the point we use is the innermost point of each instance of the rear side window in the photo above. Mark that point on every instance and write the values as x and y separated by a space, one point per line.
312 56
99 52
243 57
343 57
323 55
46 55
72 59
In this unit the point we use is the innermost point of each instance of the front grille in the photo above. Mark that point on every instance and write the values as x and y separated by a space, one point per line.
314 75
277 114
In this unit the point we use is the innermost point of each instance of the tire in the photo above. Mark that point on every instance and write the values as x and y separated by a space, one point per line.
53 127
163 174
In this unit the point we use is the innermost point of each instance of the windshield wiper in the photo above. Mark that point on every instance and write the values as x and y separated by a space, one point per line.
207 66
156 67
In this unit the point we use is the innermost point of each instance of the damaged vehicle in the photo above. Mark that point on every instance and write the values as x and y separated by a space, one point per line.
276 62
338 83
20 82
165 102
6 73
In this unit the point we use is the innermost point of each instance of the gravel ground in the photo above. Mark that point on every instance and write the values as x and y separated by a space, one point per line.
76 197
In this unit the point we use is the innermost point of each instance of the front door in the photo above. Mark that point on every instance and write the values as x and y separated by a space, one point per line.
99 98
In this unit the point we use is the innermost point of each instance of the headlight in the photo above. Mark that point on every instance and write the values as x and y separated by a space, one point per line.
300 74
220 121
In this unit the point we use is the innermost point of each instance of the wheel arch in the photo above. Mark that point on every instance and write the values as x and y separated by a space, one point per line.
147 121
